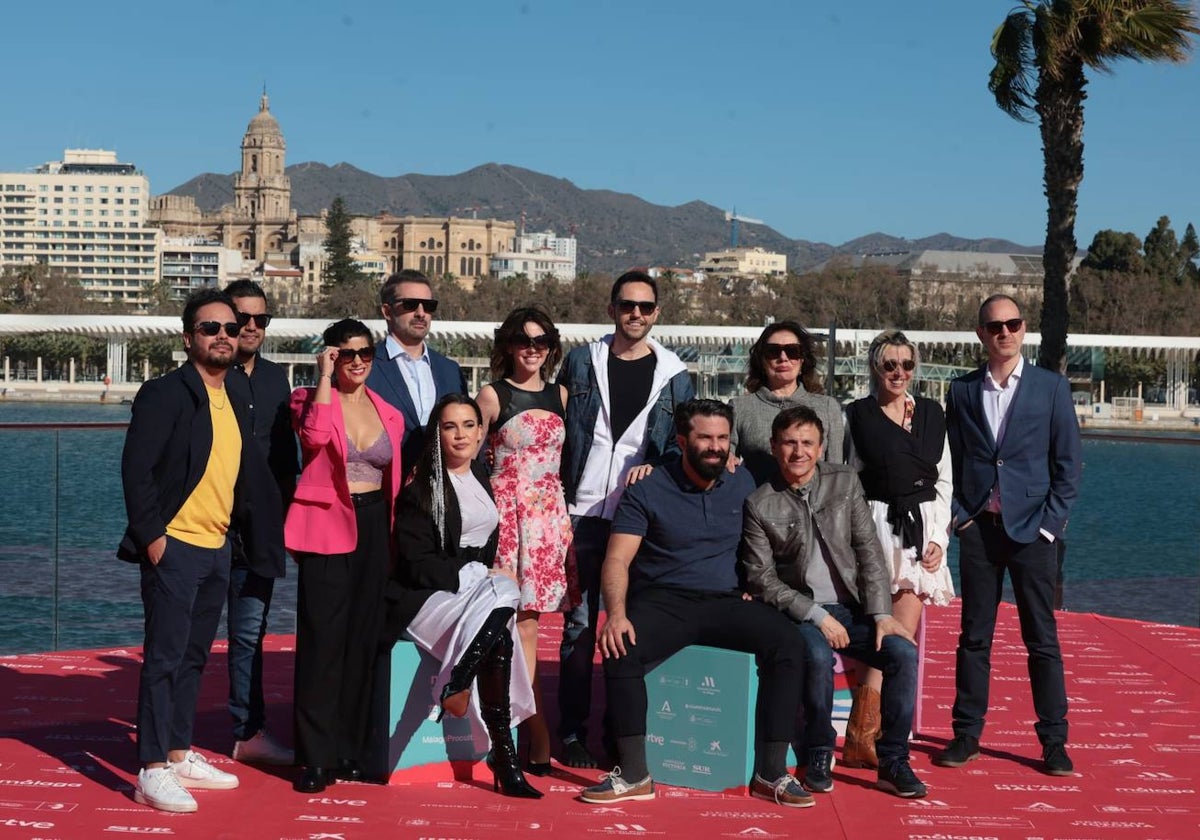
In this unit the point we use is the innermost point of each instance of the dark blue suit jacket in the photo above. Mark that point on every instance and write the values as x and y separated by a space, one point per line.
1037 465
385 379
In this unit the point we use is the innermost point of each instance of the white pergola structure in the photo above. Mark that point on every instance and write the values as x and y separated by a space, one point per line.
717 349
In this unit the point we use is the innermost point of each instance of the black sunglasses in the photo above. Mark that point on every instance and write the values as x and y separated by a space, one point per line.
531 342
890 365
411 304
260 321
211 328
345 354
1012 325
646 307
792 351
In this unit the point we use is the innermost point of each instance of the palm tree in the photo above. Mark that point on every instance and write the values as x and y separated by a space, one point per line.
1041 51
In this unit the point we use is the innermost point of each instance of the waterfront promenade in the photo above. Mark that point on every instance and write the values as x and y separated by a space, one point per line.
67 760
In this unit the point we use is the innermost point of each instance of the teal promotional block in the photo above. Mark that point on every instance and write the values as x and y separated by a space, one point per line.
700 718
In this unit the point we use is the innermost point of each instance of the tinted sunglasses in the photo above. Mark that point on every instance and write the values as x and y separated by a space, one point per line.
531 342
345 354
1012 325
211 328
646 307
890 365
792 351
260 321
411 304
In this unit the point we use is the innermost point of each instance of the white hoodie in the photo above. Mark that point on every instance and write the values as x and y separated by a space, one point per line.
608 461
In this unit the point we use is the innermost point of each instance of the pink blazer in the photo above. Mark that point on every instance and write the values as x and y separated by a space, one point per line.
321 518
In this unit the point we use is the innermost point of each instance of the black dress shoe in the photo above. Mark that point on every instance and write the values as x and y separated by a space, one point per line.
1055 760
313 780
958 752
348 771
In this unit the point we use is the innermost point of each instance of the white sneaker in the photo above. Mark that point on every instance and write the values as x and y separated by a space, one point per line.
159 788
261 748
195 772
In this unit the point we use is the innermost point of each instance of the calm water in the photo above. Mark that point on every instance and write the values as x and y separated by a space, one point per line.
1133 544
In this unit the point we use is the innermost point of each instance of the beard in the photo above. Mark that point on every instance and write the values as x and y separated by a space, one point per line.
708 463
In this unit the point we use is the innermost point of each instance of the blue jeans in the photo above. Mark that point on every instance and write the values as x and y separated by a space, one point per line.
897 660
579 629
246 624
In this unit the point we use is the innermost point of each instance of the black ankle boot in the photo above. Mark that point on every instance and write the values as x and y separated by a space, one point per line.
456 694
494 676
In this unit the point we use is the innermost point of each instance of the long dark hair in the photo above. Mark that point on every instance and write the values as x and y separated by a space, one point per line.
429 461
756 367
514 326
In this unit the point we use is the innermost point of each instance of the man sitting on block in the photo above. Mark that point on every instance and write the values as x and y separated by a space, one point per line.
810 550
670 580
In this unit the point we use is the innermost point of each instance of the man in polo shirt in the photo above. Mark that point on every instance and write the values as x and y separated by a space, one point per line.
670 580
406 372
190 468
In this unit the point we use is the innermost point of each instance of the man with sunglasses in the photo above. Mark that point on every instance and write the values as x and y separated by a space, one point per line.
190 470
1014 443
621 396
265 388
408 374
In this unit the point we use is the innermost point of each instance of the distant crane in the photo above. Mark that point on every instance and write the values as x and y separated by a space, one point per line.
733 218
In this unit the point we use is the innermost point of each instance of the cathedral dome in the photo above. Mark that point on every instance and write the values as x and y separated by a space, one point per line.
263 122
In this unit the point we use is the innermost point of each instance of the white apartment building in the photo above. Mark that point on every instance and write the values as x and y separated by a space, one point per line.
190 263
537 256
86 216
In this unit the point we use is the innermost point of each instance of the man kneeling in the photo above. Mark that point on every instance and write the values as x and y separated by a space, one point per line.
670 580
809 549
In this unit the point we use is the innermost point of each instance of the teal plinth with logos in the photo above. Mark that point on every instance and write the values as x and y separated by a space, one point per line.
700 718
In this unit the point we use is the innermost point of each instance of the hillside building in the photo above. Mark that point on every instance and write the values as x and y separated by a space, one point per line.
537 256
744 262
85 216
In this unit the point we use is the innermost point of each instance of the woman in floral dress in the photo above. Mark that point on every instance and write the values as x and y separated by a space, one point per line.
523 412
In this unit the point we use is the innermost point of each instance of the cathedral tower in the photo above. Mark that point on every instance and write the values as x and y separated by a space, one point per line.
262 190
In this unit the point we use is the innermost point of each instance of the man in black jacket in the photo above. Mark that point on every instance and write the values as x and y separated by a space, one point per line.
189 469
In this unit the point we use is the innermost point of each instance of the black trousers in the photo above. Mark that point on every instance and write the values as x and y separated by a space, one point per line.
667 620
339 612
985 553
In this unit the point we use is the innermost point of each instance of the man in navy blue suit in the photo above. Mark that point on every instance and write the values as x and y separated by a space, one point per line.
1014 441
406 372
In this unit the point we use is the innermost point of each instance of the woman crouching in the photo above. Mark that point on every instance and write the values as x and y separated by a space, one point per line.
446 596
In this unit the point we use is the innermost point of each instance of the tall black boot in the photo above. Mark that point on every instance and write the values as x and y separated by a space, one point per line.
494 704
456 694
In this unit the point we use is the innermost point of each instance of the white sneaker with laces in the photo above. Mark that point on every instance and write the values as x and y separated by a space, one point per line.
159 788
261 748
195 772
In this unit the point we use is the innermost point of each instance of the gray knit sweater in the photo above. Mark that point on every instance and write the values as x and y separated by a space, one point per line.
752 417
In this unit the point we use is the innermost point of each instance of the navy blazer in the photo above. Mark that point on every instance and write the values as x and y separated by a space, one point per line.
1037 466
166 451
386 380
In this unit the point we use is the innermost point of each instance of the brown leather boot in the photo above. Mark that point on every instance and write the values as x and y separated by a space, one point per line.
862 729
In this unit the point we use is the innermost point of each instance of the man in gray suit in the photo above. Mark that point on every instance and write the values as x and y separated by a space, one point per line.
406 372
1014 442
810 549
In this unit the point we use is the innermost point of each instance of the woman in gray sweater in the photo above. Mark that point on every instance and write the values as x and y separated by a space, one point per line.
781 373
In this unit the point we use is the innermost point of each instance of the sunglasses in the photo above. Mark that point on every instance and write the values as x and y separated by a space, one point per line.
211 328
260 321
345 354
531 342
792 351
410 305
890 365
645 307
1012 325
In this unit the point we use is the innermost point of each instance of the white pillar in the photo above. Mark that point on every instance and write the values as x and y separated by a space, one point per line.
118 349
71 373
146 370
39 369
1102 391
7 369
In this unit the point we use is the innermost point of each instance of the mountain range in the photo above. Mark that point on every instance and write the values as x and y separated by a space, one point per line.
614 230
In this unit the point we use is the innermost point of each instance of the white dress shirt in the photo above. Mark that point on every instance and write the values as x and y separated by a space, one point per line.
418 376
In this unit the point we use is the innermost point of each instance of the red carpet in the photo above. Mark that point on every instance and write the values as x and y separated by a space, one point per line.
67 760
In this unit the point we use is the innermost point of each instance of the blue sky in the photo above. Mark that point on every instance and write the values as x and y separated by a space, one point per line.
863 116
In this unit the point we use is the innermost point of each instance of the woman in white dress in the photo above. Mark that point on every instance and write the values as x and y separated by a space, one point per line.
898 444
446 596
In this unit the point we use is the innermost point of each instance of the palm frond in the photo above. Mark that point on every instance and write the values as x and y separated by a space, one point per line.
1012 78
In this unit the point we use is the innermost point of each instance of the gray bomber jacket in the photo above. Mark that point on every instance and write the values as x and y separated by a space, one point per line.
777 539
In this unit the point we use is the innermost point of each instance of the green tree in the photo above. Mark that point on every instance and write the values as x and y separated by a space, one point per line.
1162 252
1041 51
35 289
1113 250
339 267
1189 249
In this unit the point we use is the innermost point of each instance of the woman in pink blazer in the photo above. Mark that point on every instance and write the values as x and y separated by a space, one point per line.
338 529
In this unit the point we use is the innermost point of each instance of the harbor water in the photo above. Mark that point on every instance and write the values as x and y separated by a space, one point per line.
1133 545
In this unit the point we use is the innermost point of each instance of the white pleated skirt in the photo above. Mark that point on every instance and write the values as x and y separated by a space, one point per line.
448 622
